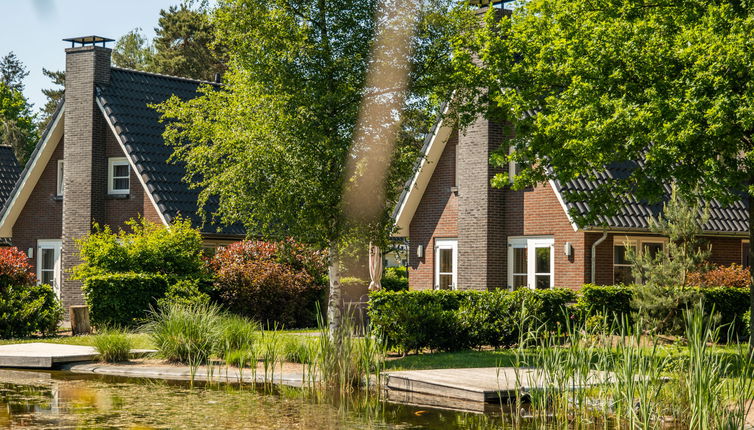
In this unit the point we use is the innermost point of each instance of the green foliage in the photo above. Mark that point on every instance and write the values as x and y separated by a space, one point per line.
113 345
185 334
54 96
271 282
17 128
236 333
395 279
184 292
122 299
612 301
28 309
450 320
746 324
147 248
13 72
133 51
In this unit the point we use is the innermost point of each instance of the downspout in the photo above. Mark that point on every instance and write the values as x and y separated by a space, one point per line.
594 254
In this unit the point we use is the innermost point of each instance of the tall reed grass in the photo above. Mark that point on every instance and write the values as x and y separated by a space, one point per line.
113 345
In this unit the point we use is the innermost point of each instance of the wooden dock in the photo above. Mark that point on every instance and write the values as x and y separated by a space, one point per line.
485 384
43 355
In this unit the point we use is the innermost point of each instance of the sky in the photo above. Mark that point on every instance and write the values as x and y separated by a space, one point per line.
34 30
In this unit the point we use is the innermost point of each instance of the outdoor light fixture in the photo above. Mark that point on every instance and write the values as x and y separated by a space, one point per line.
568 249
30 253
420 251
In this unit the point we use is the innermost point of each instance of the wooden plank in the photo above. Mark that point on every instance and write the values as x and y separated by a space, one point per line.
43 355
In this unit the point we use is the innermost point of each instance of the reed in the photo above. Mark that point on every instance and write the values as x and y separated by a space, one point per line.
113 345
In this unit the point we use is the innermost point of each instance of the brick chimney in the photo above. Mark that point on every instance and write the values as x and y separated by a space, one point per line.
85 168
481 238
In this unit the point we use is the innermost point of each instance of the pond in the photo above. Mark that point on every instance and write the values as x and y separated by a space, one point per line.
65 400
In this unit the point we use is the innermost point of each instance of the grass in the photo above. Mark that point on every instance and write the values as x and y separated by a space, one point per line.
139 340
113 345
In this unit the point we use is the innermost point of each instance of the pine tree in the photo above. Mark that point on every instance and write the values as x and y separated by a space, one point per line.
54 96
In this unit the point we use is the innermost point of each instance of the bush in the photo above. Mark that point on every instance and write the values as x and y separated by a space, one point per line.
236 333
122 299
147 248
721 276
185 334
113 345
28 309
611 301
449 320
185 292
395 279
730 306
25 308
271 282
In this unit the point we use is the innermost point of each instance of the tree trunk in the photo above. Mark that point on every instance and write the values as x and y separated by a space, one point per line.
334 314
751 272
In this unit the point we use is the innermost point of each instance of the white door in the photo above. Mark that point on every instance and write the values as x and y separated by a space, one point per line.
446 264
48 263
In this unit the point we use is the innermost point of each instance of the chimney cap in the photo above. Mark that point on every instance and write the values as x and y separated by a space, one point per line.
88 40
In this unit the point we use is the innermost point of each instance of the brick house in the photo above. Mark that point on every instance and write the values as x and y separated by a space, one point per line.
101 159
464 234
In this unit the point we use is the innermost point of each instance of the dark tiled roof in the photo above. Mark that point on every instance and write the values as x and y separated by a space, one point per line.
126 101
634 212
9 173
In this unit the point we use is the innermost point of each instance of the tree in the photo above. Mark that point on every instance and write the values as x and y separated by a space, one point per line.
17 128
13 72
133 51
589 82
273 142
185 44
54 96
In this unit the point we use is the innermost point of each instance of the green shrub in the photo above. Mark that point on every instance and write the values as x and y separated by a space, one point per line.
746 324
612 301
236 333
297 350
271 282
185 333
113 345
28 309
122 299
395 279
185 292
450 320
730 304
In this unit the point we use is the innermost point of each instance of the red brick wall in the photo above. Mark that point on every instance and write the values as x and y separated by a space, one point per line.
537 212
725 251
41 218
436 217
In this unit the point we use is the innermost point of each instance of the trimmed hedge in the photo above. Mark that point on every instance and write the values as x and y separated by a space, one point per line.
612 301
451 320
123 299
28 309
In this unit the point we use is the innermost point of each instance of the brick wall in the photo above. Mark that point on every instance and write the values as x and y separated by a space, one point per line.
41 216
436 217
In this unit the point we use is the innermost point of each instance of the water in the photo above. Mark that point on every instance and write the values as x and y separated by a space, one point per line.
64 400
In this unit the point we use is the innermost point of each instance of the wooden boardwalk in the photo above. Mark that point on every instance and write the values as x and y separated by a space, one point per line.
43 355
484 384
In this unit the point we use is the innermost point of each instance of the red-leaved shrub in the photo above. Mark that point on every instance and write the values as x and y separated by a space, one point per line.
15 268
720 276
272 282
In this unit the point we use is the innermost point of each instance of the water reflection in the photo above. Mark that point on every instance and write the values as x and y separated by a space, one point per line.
63 400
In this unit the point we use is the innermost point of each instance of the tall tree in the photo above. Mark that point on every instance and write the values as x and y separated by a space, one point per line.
279 143
13 72
590 82
133 51
185 44
17 128
54 96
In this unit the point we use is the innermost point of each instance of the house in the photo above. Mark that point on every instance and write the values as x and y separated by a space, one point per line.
463 234
102 159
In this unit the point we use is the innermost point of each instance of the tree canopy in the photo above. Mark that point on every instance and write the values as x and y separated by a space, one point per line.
133 51
17 126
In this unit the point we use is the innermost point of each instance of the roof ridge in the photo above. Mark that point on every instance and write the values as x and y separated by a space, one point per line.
163 75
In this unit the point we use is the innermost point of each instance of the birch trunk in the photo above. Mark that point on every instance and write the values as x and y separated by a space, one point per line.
751 272
334 314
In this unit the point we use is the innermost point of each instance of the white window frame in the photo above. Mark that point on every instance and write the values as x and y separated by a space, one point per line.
56 245
531 243
60 184
637 242
111 164
446 244
512 166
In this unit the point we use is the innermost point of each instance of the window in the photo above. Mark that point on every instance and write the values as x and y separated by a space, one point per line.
59 189
446 264
621 246
118 176
530 262
48 263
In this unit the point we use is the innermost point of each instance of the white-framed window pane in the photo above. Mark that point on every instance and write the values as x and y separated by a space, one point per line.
542 260
120 183
519 281
446 260
120 171
519 260
653 249
620 254
542 282
622 275
446 281
61 166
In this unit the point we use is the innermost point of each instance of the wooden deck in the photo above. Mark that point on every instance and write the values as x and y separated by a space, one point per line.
43 355
485 384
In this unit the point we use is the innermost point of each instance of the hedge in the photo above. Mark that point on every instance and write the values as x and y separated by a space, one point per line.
451 320
28 309
122 299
